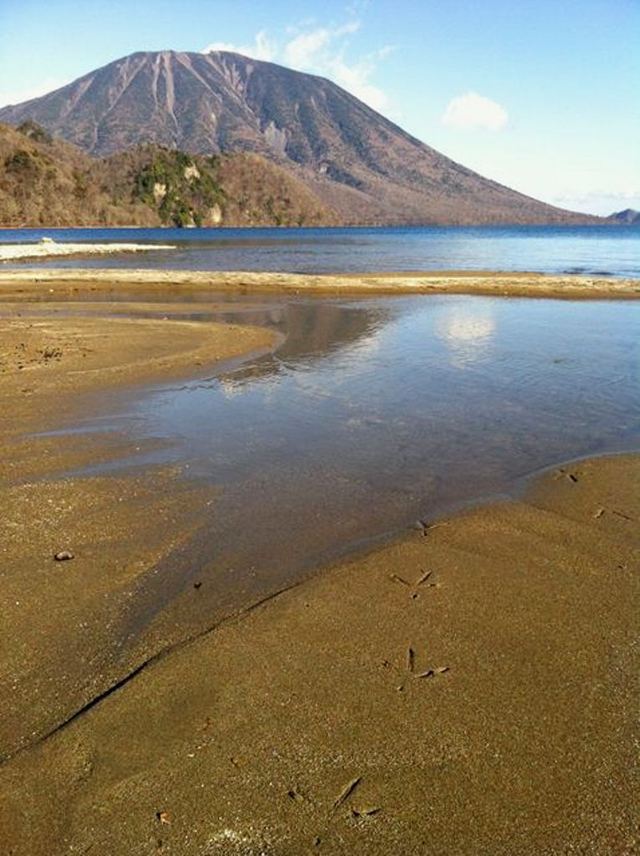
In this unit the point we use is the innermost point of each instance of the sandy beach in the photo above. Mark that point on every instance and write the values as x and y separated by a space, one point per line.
32 280
319 429
467 688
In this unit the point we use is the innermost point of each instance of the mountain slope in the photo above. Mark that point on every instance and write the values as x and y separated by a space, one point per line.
47 182
360 163
628 217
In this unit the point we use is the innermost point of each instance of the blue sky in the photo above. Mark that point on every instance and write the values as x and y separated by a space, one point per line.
541 95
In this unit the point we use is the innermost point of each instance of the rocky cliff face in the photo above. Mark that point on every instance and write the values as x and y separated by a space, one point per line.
362 165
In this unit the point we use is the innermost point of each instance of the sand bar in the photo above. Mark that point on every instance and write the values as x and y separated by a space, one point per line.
50 249
454 282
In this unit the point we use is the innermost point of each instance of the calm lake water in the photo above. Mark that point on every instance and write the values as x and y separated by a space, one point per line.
603 250
373 413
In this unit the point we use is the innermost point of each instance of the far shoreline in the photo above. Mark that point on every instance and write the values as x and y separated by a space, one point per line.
600 220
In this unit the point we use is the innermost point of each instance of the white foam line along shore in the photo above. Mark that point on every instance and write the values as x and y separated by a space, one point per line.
47 247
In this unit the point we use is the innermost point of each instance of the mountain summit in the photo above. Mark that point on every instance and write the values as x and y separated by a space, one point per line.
367 169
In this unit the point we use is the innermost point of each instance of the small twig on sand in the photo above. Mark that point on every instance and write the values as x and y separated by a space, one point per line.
346 792
429 527
430 673
411 659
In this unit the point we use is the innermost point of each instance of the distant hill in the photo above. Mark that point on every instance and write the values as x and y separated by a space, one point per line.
628 217
44 181
362 166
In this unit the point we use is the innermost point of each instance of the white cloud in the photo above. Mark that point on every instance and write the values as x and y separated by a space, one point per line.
17 96
602 202
321 50
471 111
262 48
307 48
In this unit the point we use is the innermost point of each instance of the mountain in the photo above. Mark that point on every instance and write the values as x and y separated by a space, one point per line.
628 217
47 182
361 165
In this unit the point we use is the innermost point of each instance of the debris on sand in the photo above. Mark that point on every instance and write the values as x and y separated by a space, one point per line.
411 659
365 812
431 673
346 792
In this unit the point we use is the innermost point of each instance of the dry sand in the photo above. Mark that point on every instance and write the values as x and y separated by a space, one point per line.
469 689
50 249
30 281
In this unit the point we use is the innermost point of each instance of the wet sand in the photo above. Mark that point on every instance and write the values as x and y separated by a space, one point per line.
467 689
61 638
48 361
17 281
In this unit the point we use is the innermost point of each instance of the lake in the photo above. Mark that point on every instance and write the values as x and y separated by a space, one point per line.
601 250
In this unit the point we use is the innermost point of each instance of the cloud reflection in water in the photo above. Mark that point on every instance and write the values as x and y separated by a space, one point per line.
467 332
